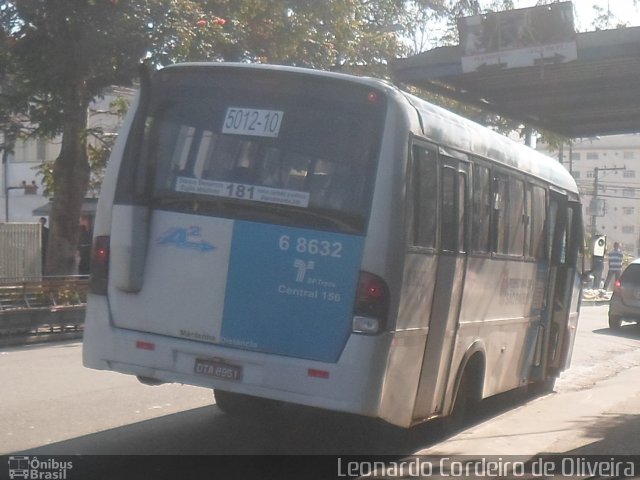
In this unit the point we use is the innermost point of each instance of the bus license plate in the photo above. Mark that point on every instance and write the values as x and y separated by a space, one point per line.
218 369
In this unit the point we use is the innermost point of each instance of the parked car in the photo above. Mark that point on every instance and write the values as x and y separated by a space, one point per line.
625 301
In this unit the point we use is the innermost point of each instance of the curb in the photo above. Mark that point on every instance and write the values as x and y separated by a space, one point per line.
29 339
593 303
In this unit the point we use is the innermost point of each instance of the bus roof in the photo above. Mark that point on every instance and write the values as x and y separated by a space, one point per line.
374 82
470 137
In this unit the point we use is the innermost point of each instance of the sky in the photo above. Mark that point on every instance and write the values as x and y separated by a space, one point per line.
624 10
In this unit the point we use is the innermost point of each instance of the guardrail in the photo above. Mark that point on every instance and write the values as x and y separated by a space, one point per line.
35 308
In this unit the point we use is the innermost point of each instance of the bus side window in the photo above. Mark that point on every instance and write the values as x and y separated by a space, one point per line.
481 238
499 230
517 226
453 215
576 235
425 197
527 221
461 210
509 215
538 218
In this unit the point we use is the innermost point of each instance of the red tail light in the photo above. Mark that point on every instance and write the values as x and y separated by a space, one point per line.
100 265
617 284
372 304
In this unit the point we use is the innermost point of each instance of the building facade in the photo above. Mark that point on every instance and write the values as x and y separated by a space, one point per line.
22 198
607 171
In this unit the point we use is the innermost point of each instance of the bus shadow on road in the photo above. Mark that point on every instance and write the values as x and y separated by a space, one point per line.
291 431
627 330
207 431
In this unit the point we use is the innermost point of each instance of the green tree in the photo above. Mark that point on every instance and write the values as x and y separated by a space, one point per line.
59 56
99 145
330 35
56 58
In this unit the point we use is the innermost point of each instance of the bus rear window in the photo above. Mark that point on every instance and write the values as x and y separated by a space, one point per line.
302 149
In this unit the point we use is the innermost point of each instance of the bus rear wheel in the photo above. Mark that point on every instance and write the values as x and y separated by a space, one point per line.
615 322
541 387
466 404
239 404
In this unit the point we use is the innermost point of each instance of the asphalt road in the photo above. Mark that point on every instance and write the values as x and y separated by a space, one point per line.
51 405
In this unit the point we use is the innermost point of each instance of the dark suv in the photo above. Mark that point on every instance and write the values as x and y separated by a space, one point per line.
625 301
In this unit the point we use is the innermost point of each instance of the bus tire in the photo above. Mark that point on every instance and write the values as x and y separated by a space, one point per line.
465 405
615 322
541 387
458 416
239 404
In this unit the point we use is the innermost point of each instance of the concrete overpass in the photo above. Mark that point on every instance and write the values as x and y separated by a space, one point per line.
596 94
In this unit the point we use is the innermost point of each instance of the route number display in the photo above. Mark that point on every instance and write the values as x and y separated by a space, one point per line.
249 121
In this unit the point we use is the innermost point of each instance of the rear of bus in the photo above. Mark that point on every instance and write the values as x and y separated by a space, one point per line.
230 237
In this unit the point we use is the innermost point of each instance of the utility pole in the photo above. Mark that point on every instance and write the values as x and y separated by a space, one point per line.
6 203
9 135
571 156
594 199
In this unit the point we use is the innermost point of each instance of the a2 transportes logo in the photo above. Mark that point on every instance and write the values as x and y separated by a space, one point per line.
186 239
36 469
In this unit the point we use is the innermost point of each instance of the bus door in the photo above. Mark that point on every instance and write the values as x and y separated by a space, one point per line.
558 326
575 276
450 273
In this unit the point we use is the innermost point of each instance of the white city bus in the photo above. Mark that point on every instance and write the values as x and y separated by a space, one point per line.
288 235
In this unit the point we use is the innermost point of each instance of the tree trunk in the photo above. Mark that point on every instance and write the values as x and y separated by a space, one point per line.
71 176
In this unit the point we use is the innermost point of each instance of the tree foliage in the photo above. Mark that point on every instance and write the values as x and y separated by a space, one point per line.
330 35
57 56
99 145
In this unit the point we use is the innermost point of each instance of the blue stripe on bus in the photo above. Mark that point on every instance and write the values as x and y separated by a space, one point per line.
290 291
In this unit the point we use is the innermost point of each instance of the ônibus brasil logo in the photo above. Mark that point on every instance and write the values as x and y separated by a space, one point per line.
35 469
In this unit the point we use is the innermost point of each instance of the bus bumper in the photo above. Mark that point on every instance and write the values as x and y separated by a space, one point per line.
352 385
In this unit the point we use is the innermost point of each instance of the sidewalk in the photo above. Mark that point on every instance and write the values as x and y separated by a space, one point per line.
601 420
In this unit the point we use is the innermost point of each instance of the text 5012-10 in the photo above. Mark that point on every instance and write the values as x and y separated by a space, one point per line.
255 122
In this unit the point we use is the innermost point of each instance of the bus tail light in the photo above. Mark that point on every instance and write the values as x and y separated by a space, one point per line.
100 265
372 304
